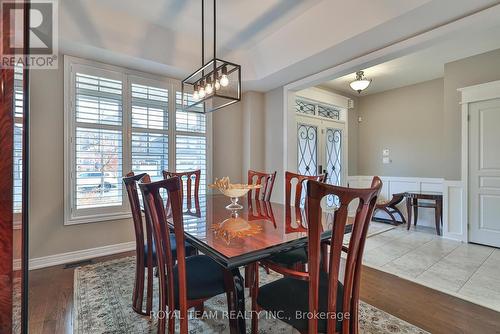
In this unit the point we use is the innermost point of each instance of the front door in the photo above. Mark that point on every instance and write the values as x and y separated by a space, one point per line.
320 149
484 172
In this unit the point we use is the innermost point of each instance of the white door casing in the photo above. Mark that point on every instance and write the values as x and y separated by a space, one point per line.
484 172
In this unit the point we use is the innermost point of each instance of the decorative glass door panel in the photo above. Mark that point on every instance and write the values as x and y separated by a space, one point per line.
320 150
307 149
333 160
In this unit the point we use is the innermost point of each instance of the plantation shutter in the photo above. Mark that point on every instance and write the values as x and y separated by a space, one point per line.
98 141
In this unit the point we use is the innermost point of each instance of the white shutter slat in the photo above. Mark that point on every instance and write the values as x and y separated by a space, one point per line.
149 130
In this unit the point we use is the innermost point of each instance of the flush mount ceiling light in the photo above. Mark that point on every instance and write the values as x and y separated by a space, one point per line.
361 83
216 84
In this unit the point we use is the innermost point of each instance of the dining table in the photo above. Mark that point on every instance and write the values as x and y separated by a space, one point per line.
235 238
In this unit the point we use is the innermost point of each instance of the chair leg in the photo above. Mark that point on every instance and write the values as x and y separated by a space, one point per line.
138 294
247 277
254 293
149 293
437 211
408 211
415 211
231 300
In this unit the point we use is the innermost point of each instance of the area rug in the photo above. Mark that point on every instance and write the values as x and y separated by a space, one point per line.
103 304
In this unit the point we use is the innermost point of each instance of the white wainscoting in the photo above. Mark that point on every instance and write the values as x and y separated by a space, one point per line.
453 211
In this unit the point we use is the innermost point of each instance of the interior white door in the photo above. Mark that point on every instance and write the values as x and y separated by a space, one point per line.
484 172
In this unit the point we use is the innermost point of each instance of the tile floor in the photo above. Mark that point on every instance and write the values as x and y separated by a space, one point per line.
467 271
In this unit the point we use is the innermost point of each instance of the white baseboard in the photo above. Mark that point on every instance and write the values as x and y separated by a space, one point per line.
80 255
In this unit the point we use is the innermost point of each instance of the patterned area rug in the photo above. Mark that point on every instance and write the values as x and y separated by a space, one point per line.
103 304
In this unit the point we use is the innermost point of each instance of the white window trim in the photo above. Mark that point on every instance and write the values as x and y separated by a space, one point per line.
128 77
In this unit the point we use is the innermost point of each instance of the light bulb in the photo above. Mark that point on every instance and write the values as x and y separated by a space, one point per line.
196 96
217 84
209 89
224 81
201 92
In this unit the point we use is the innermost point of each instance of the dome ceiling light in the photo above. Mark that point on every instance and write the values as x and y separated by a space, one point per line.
361 83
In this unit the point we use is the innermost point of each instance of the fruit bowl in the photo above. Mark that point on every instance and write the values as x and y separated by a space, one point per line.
233 191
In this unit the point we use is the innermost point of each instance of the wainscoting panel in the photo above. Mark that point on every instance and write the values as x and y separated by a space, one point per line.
453 213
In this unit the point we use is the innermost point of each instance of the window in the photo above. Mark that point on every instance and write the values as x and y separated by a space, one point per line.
18 140
304 106
119 121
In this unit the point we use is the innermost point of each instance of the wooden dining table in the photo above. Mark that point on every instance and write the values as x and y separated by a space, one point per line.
236 238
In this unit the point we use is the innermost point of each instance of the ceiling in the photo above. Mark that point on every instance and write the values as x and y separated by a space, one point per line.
423 65
275 41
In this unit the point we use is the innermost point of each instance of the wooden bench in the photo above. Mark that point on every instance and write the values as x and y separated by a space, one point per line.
390 207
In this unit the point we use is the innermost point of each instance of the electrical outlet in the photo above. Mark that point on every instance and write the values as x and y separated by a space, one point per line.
386 160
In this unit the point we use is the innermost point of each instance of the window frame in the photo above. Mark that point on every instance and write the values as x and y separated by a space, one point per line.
128 77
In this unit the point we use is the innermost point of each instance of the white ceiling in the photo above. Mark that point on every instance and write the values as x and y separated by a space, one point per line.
423 65
275 41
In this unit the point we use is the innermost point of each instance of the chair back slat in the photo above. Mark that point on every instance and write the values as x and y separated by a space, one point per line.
264 179
155 209
186 178
301 183
316 191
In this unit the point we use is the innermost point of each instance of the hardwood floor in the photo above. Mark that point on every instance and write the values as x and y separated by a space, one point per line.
51 303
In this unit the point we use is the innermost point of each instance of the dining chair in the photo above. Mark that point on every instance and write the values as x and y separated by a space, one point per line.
297 257
319 292
192 279
264 179
144 245
192 196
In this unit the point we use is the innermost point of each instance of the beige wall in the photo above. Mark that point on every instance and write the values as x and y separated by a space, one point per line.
48 235
409 122
462 73
274 140
227 142
253 105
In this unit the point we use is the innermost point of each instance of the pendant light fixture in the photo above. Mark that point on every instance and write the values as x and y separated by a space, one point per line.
216 84
361 83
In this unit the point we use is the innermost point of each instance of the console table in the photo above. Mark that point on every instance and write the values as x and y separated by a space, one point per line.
412 201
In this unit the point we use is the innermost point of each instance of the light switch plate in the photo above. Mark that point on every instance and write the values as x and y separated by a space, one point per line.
386 152
386 160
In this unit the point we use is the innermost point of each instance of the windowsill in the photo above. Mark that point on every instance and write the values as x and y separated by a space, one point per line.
96 218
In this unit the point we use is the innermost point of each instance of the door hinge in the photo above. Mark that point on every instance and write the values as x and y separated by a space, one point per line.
468 118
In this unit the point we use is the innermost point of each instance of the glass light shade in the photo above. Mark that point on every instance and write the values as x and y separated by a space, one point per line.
360 85
196 96
217 84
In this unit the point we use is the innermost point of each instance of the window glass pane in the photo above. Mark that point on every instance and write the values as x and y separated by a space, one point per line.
98 168
188 121
191 154
98 100
329 112
304 107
